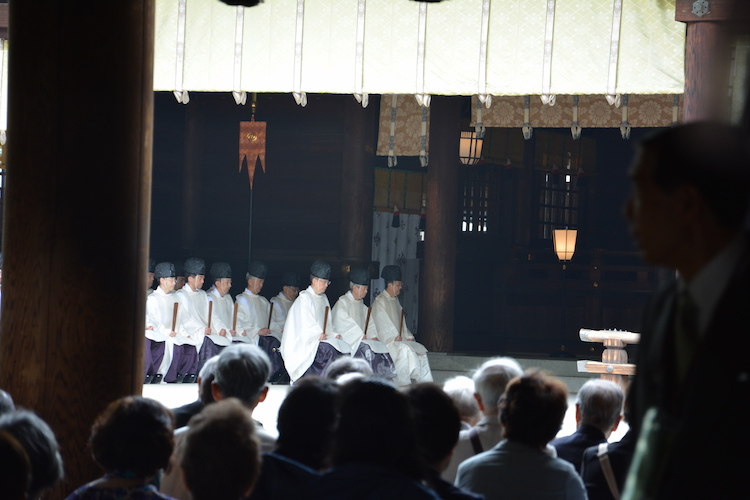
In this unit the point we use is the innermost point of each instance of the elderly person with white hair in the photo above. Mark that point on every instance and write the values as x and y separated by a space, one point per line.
598 412
490 380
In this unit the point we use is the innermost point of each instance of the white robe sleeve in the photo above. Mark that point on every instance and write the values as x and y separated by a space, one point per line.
247 317
346 320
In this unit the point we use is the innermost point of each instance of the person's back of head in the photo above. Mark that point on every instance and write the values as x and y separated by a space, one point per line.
206 379
533 408
220 454
461 390
347 364
40 445
133 435
6 403
306 420
437 423
16 476
712 157
600 404
491 378
241 372
375 426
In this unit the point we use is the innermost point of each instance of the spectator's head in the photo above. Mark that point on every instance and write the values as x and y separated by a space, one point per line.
241 372
490 380
6 403
347 364
461 391
306 420
690 191
375 426
437 423
599 404
16 476
206 379
220 455
533 408
133 434
40 445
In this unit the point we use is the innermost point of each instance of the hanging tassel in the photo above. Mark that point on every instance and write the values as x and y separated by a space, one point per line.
508 164
422 220
396 222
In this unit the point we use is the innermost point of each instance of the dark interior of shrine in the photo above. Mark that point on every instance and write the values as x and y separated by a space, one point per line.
512 293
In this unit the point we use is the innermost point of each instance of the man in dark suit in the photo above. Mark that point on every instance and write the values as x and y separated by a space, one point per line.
687 211
598 413
618 455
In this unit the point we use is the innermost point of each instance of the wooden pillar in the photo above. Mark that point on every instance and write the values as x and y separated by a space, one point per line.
357 181
76 222
441 230
707 56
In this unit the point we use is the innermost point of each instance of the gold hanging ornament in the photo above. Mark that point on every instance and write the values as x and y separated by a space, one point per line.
252 146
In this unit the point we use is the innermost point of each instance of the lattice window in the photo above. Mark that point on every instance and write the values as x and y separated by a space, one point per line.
479 199
558 202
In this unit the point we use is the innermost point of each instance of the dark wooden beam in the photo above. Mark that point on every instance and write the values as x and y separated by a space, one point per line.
76 215
732 11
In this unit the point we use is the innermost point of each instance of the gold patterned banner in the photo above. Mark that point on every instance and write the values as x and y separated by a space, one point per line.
662 110
593 112
252 147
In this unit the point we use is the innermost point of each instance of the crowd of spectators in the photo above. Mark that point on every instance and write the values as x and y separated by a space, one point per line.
346 435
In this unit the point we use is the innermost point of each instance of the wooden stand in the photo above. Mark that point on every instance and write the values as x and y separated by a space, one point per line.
614 365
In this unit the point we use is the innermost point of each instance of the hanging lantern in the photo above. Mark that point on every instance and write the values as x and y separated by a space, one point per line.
470 148
564 242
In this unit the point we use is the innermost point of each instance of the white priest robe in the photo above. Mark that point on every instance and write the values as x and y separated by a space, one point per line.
252 314
349 316
222 316
159 316
281 307
410 357
304 325
195 305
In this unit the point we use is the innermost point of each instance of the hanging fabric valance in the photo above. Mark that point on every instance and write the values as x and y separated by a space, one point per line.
467 47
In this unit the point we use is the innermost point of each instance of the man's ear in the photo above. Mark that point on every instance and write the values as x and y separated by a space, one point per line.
617 424
263 394
479 402
578 413
215 391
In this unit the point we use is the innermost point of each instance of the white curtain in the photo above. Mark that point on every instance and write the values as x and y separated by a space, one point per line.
398 245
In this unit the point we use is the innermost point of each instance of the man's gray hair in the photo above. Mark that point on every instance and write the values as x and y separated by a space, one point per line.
206 377
461 390
491 378
600 403
241 372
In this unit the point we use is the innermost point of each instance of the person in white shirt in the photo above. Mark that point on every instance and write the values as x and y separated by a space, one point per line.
254 318
223 314
173 349
310 342
349 317
195 304
409 356
290 283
